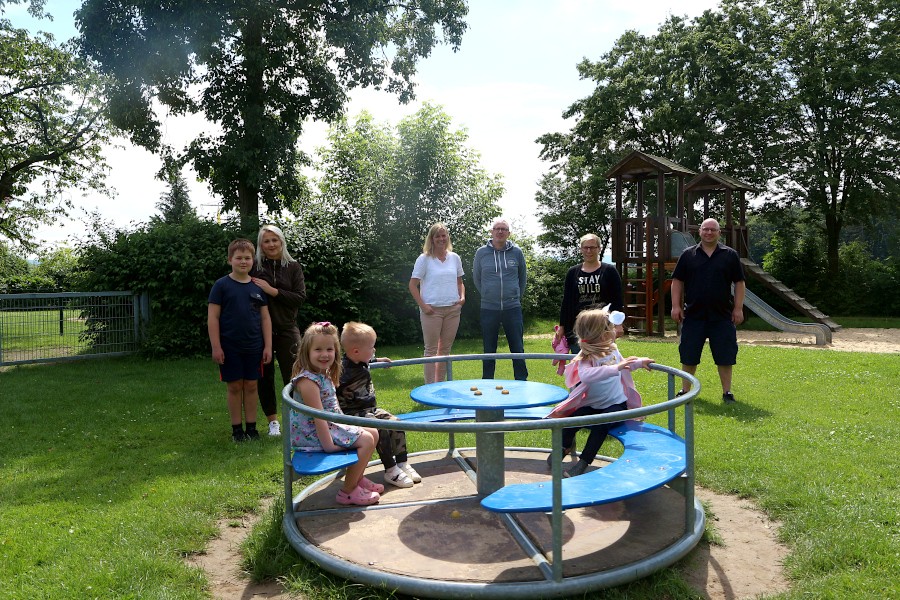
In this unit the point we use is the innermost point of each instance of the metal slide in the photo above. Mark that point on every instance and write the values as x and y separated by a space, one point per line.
779 321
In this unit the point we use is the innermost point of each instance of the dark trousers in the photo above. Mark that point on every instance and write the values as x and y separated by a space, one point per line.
284 348
598 432
391 445
514 327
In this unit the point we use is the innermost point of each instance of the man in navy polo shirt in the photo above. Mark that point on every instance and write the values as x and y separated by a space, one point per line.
702 280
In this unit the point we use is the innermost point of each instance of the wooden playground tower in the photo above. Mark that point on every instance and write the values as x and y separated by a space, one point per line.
646 247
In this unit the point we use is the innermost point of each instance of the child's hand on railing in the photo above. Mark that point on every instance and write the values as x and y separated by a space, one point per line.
634 362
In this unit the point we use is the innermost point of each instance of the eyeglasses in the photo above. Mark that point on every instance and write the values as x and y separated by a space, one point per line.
709 229
590 247
500 229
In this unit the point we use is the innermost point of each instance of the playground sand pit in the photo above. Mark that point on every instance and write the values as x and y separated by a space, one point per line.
883 341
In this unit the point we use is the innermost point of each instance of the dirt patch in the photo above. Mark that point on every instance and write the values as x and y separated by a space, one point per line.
222 561
748 562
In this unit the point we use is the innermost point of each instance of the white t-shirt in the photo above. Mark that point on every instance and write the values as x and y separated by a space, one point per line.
603 393
438 280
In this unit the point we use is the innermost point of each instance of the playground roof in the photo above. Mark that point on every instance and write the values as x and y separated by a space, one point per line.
640 165
711 180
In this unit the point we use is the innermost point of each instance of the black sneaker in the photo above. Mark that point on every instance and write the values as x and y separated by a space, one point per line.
239 437
680 393
728 398
252 434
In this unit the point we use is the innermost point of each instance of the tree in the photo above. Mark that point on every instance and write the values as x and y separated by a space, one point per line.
838 110
175 263
52 130
568 209
649 96
175 204
256 70
797 96
382 188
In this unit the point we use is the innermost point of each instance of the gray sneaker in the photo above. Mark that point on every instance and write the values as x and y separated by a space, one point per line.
578 469
274 428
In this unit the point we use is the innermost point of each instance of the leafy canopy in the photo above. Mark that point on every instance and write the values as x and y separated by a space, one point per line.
52 130
799 97
255 70
382 188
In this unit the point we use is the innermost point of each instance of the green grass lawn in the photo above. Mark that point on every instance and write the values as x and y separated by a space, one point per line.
39 331
111 471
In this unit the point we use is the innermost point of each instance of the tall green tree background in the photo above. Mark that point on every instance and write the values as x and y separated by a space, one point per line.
382 188
799 97
378 189
52 130
255 70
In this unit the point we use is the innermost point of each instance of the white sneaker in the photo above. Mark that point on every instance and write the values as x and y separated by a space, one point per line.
274 428
398 478
407 468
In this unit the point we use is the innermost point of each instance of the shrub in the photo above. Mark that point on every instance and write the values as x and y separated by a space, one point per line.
176 264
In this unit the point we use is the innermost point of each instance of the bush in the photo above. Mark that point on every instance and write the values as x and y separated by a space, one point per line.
176 264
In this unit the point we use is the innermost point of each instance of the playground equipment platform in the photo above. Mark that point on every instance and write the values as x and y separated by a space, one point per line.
443 538
438 533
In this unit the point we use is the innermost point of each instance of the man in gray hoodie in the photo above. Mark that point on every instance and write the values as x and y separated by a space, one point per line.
499 274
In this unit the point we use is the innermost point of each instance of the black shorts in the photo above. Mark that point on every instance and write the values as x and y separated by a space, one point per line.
241 365
722 337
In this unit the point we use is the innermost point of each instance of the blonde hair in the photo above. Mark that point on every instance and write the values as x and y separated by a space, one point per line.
260 254
428 246
354 333
588 236
596 333
302 361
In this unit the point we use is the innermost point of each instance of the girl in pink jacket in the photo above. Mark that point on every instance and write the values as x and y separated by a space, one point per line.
600 382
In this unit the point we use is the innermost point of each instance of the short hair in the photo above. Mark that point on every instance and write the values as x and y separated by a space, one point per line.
354 333
302 363
428 246
588 236
239 244
596 333
499 220
260 254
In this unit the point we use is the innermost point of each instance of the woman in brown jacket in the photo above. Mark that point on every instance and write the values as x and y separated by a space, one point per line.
281 278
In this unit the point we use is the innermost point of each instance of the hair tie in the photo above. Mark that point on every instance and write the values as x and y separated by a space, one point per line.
324 323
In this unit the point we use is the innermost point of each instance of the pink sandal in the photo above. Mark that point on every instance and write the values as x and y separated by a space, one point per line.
358 496
369 485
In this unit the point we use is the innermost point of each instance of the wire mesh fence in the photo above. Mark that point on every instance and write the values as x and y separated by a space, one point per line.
65 326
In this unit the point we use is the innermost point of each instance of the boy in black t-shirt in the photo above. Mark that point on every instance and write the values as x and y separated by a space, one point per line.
240 333
356 396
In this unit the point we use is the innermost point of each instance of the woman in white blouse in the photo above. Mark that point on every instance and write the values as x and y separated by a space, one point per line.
437 287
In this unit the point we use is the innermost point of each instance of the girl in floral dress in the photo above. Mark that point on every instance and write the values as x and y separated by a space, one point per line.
315 374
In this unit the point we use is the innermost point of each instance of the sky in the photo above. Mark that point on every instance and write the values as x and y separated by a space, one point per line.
509 83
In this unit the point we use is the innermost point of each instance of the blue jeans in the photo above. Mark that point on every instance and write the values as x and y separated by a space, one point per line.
514 327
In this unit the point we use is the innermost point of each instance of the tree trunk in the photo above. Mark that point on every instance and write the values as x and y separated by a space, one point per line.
832 236
248 203
253 114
